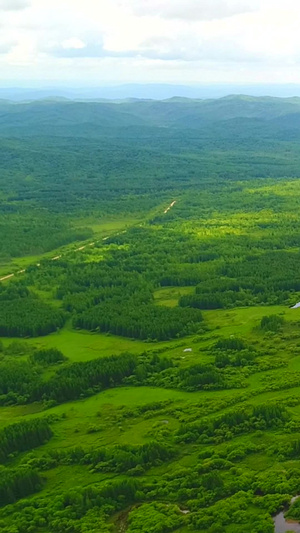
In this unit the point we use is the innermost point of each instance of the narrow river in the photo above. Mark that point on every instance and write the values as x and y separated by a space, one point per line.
282 525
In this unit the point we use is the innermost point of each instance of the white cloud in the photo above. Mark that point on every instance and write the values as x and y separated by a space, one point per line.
192 9
73 43
13 5
136 40
6 46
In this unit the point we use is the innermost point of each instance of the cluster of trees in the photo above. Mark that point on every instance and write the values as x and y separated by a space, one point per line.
13 291
216 497
233 423
268 278
116 298
162 372
50 356
242 358
204 301
17 380
22 382
292 450
18 483
23 436
83 509
15 347
155 517
233 352
129 459
29 317
294 511
35 232
235 510
271 414
231 344
200 377
144 322
272 323
85 378
229 299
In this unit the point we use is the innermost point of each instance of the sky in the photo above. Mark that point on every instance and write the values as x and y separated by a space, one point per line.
141 41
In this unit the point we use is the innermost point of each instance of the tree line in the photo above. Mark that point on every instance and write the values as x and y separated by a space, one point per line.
129 459
29 316
233 423
18 483
23 436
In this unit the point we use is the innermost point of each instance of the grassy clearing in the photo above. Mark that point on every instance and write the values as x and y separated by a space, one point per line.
107 400
169 296
84 346
64 478
244 319
106 226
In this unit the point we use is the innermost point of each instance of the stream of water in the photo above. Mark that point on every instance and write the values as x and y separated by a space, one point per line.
282 525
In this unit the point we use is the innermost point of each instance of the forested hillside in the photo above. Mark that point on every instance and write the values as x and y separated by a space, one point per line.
150 351
65 163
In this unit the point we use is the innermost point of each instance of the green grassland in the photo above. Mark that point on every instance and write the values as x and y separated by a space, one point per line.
169 296
99 421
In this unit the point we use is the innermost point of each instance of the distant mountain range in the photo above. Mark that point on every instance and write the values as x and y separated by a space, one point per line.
154 91
244 115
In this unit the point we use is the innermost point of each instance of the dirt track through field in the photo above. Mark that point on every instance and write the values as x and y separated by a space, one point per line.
169 207
78 249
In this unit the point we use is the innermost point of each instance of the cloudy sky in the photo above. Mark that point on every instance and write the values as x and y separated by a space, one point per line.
177 41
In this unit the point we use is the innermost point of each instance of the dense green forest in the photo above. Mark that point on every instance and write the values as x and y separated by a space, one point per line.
149 350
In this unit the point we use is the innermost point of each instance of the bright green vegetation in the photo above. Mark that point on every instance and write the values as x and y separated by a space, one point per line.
150 375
